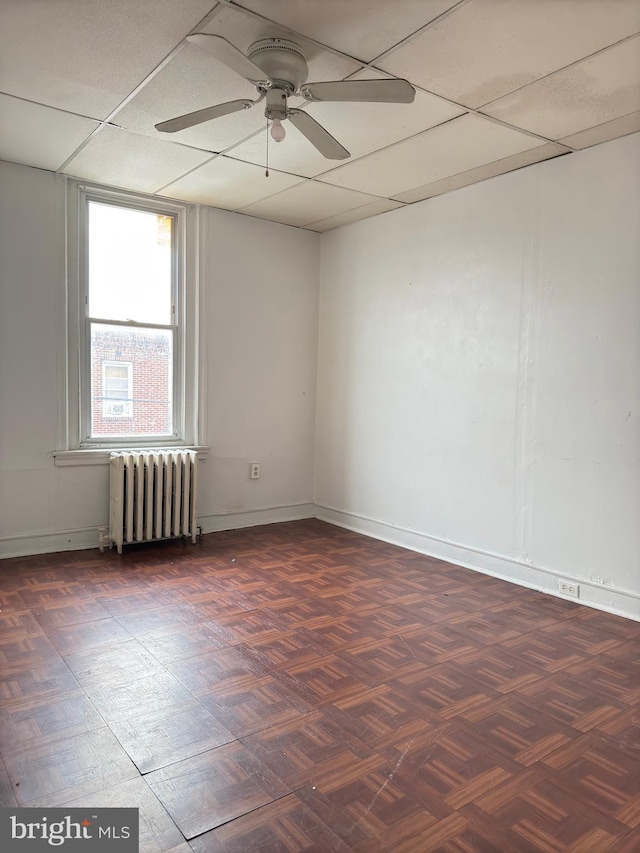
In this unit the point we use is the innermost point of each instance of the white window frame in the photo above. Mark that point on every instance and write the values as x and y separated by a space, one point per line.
106 401
75 444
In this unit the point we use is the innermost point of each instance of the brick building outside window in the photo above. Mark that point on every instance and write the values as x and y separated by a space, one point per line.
135 399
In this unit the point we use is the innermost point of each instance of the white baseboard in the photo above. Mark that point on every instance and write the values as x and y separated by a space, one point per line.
254 517
621 602
29 544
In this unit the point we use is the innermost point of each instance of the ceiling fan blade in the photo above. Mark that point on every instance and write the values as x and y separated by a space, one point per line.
199 116
375 91
228 53
317 135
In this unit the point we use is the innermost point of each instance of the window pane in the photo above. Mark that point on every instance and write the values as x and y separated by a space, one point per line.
129 264
133 398
113 372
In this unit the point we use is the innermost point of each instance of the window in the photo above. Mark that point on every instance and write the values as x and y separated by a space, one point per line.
130 317
131 328
117 394
131 339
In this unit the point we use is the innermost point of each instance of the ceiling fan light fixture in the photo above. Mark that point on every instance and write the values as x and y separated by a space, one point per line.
277 131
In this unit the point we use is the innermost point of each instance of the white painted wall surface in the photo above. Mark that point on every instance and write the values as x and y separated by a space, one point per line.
261 359
259 323
478 393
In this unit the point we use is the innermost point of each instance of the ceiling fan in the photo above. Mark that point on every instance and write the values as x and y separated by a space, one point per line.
278 69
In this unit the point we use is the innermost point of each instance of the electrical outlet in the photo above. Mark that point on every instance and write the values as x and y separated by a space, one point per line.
568 588
254 471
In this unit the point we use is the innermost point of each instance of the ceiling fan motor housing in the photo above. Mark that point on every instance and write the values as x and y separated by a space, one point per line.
282 61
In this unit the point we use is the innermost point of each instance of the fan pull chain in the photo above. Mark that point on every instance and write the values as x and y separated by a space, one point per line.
266 174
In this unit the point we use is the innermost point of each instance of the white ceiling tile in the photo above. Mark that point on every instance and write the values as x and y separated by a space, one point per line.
487 48
360 28
228 183
454 147
481 173
192 81
361 128
243 29
604 132
589 93
39 136
87 56
364 212
133 162
307 202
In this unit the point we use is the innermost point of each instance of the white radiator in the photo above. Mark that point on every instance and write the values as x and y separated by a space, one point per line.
152 496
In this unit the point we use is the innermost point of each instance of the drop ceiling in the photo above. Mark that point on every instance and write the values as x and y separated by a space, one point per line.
500 84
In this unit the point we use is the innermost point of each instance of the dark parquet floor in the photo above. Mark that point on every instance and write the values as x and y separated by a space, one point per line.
298 687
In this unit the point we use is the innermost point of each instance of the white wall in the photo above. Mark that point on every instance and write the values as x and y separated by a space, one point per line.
259 359
260 351
478 394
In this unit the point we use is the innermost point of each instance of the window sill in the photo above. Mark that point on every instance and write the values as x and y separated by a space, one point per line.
100 455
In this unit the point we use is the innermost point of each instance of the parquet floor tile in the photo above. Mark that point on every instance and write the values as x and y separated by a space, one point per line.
286 825
572 700
155 739
450 765
517 729
434 607
214 787
57 772
112 666
605 777
252 704
11 600
623 731
47 681
327 679
539 815
387 621
303 750
615 675
157 692
381 716
38 722
438 643
378 660
544 651
37 594
300 688
61 615
183 642
499 669
7 797
368 802
607 622
87 635
18 623
158 833
296 646
200 674
26 652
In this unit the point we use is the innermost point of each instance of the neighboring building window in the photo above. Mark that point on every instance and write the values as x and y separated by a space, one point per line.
117 394
132 300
